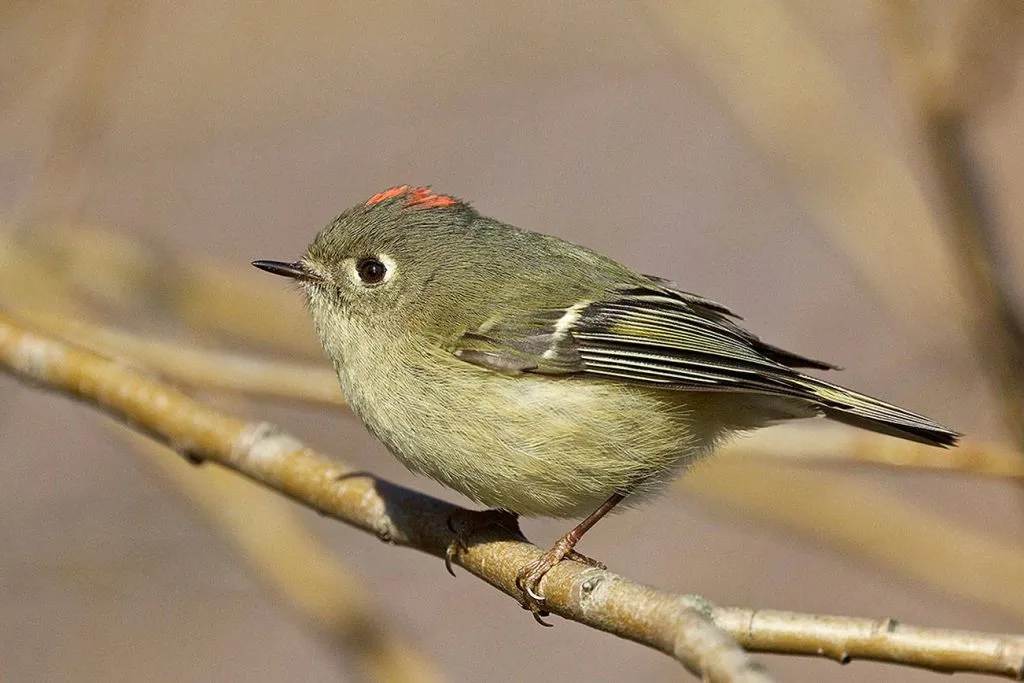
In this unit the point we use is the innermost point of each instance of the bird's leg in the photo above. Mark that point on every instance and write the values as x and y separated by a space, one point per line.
466 523
531 575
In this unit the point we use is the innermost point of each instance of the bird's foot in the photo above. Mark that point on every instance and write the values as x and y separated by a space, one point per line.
530 577
465 524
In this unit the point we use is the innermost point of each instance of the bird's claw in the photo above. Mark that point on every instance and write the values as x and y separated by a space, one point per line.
528 582
537 597
451 553
530 577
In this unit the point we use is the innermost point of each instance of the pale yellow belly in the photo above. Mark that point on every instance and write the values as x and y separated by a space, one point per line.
533 445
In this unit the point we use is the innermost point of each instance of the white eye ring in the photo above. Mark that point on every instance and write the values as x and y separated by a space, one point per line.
366 271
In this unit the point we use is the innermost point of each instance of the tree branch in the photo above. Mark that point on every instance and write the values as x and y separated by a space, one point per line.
197 367
396 515
885 640
295 565
685 627
838 445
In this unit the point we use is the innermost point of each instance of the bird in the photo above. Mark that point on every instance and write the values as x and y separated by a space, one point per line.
538 377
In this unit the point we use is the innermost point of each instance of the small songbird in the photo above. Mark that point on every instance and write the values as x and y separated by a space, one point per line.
536 376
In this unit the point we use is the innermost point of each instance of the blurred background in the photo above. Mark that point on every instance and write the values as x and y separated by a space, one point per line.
843 175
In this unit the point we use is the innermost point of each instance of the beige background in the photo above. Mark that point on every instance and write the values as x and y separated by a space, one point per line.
235 133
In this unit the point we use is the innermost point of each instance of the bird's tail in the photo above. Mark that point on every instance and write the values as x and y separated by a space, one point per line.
860 410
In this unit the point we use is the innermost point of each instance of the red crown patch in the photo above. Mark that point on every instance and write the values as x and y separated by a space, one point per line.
415 197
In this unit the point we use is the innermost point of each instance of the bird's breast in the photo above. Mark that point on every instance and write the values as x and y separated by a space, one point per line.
531 444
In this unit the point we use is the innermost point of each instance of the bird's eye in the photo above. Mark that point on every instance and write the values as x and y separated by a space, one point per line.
371 271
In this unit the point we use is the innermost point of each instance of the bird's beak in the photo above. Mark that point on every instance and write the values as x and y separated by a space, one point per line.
296 271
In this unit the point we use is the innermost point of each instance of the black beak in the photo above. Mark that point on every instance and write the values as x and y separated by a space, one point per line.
296 271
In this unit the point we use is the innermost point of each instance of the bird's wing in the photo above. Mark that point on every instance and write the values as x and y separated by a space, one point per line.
651 334
656 335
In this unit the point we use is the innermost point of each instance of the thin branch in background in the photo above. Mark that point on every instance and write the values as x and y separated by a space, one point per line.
682 626
198 368
82 116
781 89
826 444
128 277
997 330
954 75
867 524
294 563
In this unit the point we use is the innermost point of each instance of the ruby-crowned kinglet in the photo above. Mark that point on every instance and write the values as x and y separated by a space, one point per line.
536 376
